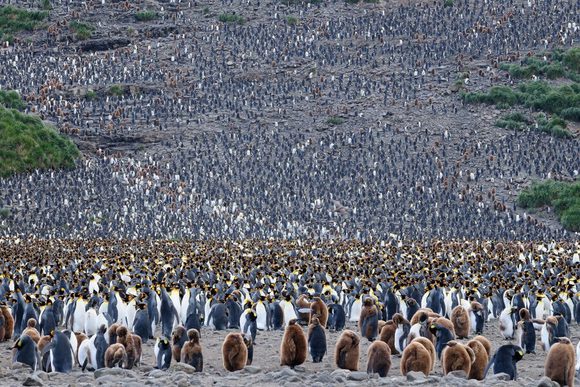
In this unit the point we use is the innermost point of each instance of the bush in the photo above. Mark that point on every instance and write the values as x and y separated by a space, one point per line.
572 114
116 90
292 20
11 100
27 144
231 18
448 3
4 213
14 20
90 95
146 15
564 197
571 59
82 31
335 120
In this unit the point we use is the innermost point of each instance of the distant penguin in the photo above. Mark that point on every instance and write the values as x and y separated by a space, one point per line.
289 310
8 325
379 358
116 356
336 317
261 315
461 322
218 317
505 359
191 352
457 357
26 352
347 351
355 310
507 322
481 359
319 308
276 316
61 353
415 358
476 317
560 362
142 324
178 338
316 340
250 346
443 335
412 308
293 346
234 352
162 353
369 320
31 330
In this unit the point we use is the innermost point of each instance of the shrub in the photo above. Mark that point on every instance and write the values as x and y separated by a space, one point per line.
90 95
292 20
146 15
46 5
335 120
448 3
564 197
116 90
231 18
27 144
4 213
11 100
82 31
572 114
14 20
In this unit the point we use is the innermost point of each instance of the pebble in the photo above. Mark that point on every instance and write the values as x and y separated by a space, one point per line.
157 374
119 372
358 376
414 376
18 366
546 382
460 374
498 376
32 380
300 368
253 369
177 367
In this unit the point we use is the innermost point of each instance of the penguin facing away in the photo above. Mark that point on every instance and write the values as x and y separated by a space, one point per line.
416 358
379 358
560 361
316 340
294 346
234 352
505 359
347 351
457 357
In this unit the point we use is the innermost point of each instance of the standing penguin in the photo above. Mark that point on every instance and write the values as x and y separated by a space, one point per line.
32 331
347 351
288 309
261 314
379 358
234 312
293 346
218 317
416 358
526 331
249 325
443 335
457 357
234 352
507 322
560 362
162 353
61 353
191 351
8 322
316 340
178 338
141 323
476 317
461 322
168 314
368 322
250 346
336 317
481 358
91 320
319 308
505 359
276 316
26 352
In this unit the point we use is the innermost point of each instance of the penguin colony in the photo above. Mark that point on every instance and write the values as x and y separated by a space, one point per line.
94 311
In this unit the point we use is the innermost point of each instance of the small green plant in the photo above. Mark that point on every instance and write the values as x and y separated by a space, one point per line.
46 5
11 100
82 31
352 1
116 90
14 20
292 20
335 121
90 95
205 11
448 3
4 213
146 15
231 18
563 197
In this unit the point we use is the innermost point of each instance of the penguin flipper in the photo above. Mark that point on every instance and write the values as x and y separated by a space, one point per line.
491 362
47 348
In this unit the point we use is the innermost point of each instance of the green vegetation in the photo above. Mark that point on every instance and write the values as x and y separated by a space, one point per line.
4 213
46 5
90 95
448 3
27 144
292 20
14 20
82 31
11 100
554 126
146 15
335 120
117 90
513 121
231 18
563 197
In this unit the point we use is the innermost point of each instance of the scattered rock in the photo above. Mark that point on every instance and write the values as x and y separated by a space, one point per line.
499 376
109 372
460 374
104 44
546 382
42 375
19 366
253 369
32 380
300 368
176 367
358 376
414 376
157 374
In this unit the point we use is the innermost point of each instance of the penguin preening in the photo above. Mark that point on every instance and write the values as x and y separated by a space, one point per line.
347 351
293 346
316 339
163 353
379 358
234 352
505 359
26 352
560 362
191 352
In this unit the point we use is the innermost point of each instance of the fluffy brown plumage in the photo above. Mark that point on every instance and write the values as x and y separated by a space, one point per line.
481 359
132 344
416 358
8 323
368 311
191 351
561 362
112 333
379 358
176 336
446 323
31 330
461 321
319 308
234 352
422 314
302 303
456 357
387 335
347 351
428 344
486 344
294 346
116 355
